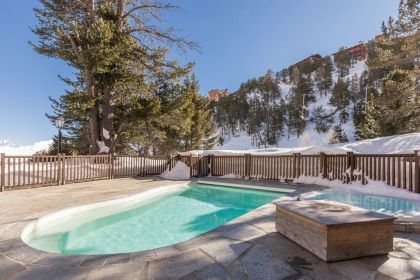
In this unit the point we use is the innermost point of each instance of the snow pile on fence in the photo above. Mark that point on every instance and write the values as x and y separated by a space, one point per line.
179 172
406 143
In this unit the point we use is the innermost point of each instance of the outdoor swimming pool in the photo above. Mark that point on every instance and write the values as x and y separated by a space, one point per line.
378 203
171 216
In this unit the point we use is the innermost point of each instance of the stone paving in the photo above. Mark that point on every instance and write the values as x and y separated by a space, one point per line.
246 248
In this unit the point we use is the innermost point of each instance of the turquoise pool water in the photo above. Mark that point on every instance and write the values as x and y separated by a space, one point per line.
382 204
168 220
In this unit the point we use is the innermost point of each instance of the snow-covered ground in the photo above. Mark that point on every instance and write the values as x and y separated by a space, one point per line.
406 143
15 150
179 172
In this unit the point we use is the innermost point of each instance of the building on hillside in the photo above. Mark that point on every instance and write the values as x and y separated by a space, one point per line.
357 52
216 94
309 58
360 51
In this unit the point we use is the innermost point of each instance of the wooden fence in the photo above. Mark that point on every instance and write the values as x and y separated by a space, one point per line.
18 172
398 170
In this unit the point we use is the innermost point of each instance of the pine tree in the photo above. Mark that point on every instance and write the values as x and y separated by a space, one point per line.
370 128
322 119
323 75
202 134
343 61
66 147
398 104
338 136
340 98
115 48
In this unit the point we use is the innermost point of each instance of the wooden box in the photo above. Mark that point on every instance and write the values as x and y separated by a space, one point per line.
334 231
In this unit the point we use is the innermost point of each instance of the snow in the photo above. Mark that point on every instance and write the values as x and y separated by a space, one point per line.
407 143
179 172
103 149
29 150
105 133
373 187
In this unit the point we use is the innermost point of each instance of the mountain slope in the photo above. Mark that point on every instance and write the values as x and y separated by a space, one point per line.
236 133
407 143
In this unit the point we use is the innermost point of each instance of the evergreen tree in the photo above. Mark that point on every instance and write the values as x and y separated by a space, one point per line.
322 119
67 147
338 136
396 109
115 47
323 75
370 128
340 98
202 134
343 61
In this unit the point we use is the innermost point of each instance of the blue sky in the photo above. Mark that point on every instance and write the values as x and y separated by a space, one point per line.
240 39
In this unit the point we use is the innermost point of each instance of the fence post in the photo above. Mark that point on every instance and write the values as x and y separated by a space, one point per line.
63 170
170 163
210 165
111 166
248 166
416 172
199 158
190 161
2 171
324 165
350 165
59 169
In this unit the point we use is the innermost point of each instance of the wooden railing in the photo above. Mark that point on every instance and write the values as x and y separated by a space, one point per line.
18 172
398 170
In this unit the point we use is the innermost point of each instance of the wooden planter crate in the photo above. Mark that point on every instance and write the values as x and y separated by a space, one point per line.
334 231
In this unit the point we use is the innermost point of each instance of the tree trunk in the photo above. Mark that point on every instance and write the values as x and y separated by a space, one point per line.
93 116
108 109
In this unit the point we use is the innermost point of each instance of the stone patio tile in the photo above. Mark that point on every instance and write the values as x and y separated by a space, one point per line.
286 250
94 260
244 232
259 263
354 269
178 266
129 271
26 254
143 256
118 259
43 272
11 244
185 246
12 230
61 260
8 268
267 224
225 251
237 272
166 251
212 272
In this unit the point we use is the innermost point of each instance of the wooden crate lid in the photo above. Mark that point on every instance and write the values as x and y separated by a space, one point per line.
331 213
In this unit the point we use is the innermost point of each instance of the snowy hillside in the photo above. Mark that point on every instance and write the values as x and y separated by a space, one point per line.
15 150
241 138
407 143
